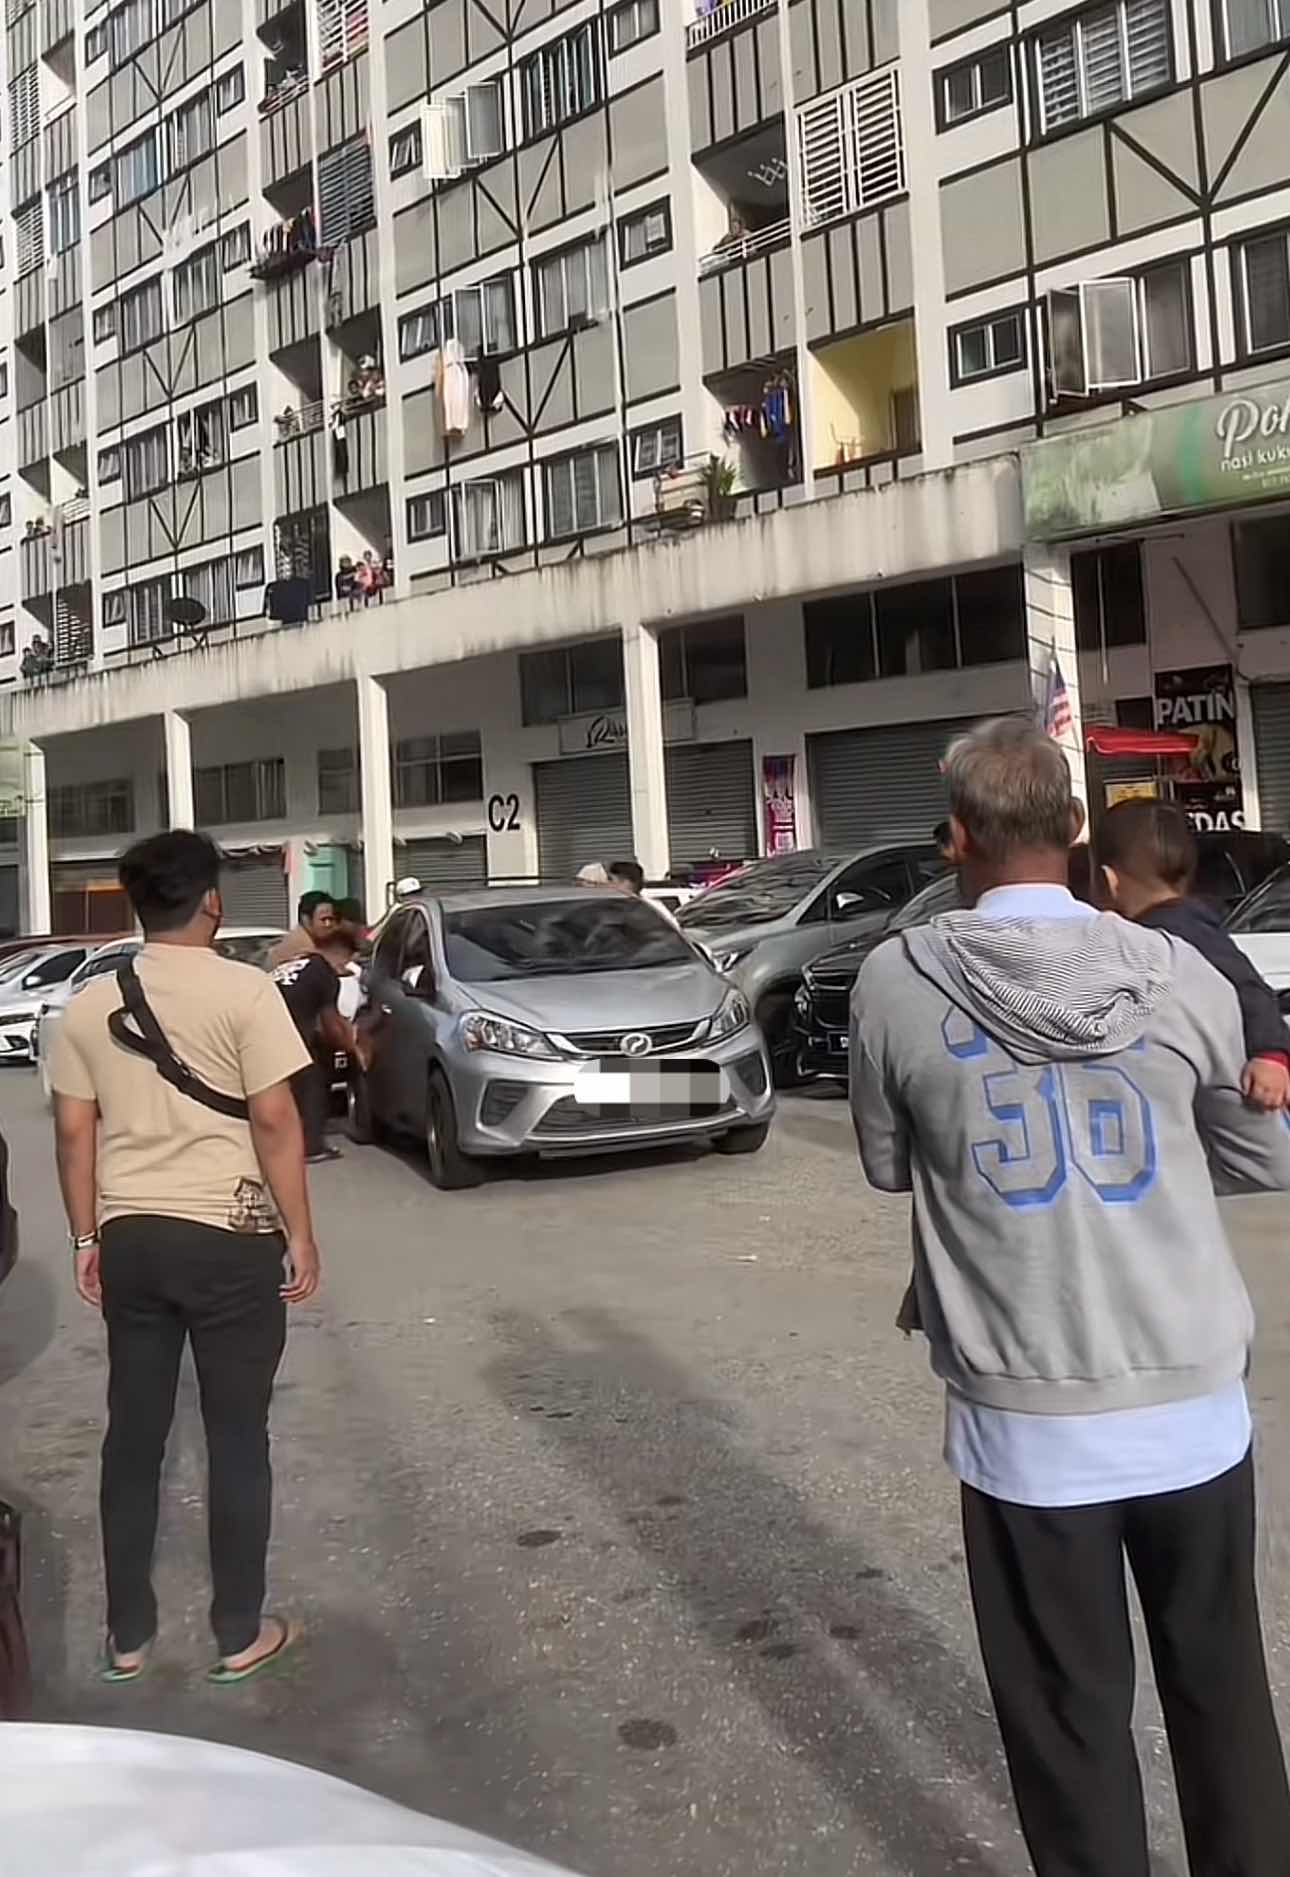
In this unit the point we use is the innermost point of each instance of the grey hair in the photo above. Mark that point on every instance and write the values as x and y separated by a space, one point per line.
1010 786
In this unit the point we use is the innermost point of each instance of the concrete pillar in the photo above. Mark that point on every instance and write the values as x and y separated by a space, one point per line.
36 909
645 749
177 738
1050 636
377 794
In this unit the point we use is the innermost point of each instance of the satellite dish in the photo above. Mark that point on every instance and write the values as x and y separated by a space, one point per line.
185 612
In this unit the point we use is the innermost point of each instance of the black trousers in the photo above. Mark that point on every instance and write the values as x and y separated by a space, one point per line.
312 1090
1052 1613
166 1281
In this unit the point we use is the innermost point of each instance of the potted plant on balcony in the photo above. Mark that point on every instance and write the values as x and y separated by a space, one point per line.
719 479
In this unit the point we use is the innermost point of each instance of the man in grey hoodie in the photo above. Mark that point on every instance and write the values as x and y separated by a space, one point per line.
1060 1090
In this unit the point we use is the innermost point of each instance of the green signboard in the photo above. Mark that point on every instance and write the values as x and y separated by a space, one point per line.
1211 453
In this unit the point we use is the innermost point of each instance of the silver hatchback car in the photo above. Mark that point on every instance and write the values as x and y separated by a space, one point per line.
544 1021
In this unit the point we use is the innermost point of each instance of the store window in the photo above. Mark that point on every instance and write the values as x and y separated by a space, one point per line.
237 792
705 662
1261 552
903 630
1110 600
572 680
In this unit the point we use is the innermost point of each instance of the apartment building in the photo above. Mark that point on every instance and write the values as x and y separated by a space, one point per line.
471 437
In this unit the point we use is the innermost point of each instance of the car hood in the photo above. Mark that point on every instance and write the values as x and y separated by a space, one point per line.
28 1005
739 938
604 1000
839 969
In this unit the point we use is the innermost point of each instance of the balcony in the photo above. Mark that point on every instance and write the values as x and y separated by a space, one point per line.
864 400
742 247
288 248
723 17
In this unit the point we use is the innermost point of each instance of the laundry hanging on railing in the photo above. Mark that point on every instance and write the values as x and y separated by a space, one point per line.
774 418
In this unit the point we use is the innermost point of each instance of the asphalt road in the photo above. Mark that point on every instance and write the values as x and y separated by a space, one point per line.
612 1502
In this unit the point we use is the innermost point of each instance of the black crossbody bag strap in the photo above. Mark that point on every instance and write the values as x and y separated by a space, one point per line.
149 1039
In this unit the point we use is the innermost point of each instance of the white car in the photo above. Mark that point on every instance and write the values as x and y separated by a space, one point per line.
26 982
1261 927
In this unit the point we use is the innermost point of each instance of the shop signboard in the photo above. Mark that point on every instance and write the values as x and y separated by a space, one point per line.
594 732
1208 453
1200 703
779 803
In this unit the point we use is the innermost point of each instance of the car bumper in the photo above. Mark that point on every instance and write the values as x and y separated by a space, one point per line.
17 1039
506 1105
822 1051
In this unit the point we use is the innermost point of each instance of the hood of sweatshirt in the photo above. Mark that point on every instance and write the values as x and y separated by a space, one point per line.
1048 989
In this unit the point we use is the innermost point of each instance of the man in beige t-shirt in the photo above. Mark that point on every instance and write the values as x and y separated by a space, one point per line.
190 1220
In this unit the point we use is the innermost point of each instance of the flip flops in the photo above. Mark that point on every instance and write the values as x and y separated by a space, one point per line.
222 1676
117 1677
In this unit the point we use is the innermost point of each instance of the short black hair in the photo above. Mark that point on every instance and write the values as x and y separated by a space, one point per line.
168 876
630 872
1149 841
351 911
942 834
310 902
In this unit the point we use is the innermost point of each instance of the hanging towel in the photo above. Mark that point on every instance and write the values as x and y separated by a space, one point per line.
454 389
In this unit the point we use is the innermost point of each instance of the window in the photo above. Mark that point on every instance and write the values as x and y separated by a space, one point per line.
1104 335
488 516
915 625
482 317
96 43
196 284
135 170
100 182
463 130
705 662
142 316
419 331
427 515
429 770
190 132
1250 24
571 288
563 80
110 464
115 607
631 22
149 611
1261 551
405 149
24 107
973 618
337 782
104 323
1263 269
254 791
201 439
851 147
235 247
88 808
64 213
1110 604
988 347
973 87
243 408
1102 58
146 461
4 377
345 202
248 567
1165 320
6 509
647 232
342 30
571 680
583 492
655 447
990 615
29 232
230 89
129 28
7 650
211 585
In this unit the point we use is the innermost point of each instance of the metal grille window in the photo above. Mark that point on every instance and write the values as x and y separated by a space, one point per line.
430 770
146 462
1102 58
988 347
345 201
89 808
64 213
571 288
1263 271
142 315
427 515
212 586
136 171
851 147
342 30
583 492
190 132
631 22
488 516
130 27
29 238
563 80
1250 24
337 782
460 131
196 284
24 106
201 439
149 606
231 792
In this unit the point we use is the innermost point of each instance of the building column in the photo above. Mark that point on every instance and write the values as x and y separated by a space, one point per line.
377 795
177 737
36 913
644 696
1050 645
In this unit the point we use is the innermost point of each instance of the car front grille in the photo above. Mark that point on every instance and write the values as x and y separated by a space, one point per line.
609 1042
501 1099
830 1008
568 1119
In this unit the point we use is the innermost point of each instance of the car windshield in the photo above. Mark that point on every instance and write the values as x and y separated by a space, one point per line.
941 896
15 966
248 948
56 968
768 889
559 938
1267 909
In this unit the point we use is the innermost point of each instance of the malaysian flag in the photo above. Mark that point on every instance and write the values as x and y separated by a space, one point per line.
1058 720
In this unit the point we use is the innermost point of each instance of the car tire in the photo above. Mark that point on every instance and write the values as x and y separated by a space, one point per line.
361 1123
744 1140
775 1017
451 1170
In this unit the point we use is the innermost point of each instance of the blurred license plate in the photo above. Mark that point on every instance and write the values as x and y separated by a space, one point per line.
841 1044
618 1083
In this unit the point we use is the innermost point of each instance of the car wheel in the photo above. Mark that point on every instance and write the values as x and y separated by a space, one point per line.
451 1170
775 1016
361 1123
747 1140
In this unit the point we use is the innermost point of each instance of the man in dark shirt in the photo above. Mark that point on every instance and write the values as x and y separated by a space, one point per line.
310 988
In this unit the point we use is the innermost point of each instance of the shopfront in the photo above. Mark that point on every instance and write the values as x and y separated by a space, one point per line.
881 784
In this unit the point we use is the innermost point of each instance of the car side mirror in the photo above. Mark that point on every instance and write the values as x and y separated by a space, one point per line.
418 981
846 903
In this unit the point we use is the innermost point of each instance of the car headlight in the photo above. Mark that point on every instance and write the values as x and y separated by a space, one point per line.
733 1015
726 961
802 1001
481 1031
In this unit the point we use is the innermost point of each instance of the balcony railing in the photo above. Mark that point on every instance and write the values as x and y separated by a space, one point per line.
283 92
299 423
743 247
721 17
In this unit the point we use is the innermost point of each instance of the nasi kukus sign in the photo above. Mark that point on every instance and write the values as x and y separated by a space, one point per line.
1209 453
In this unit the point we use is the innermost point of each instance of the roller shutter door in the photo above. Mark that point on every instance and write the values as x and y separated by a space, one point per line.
444 864
1271 704
711 802
584 813
879 785
8 900
255 891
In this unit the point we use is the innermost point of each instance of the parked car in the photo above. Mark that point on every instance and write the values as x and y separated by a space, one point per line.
27 980
1233 863
1260 925
541 1021
764 924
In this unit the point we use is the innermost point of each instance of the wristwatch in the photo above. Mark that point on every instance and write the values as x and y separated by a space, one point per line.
85 1242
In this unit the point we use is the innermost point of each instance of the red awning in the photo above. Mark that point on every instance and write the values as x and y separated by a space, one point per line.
1109 740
